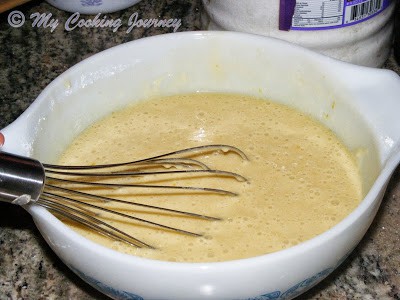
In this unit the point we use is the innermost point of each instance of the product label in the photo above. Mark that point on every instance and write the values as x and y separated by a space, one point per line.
327 14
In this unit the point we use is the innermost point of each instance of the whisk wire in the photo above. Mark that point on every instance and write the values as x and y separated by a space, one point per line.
92 222
55 196
64 190
175 187
107 199
224 148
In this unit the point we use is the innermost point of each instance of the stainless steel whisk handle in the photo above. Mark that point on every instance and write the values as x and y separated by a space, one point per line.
21 179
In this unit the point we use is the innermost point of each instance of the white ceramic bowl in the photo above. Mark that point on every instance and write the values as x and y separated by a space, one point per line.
360 104
92 6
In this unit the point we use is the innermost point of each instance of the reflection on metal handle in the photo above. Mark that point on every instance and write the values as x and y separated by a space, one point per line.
21 179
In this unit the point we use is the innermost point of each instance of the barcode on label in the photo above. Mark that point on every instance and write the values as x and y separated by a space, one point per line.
363 10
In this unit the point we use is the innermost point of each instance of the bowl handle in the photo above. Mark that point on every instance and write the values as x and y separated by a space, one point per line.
375 95
16 138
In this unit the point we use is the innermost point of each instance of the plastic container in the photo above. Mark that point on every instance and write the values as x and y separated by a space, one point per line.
92 6
358 31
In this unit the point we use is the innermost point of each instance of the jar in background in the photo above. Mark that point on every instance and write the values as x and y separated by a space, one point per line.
356 31
92 6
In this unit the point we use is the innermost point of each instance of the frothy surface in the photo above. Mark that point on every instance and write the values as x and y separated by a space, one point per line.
302 180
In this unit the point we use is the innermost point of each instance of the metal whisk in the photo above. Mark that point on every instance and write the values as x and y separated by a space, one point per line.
68 191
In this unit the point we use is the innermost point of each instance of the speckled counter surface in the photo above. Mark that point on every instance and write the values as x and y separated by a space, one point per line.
30 57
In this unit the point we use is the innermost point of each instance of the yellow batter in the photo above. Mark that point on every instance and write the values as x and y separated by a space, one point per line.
301 179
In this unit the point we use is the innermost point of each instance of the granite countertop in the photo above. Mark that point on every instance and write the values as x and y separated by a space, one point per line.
31 57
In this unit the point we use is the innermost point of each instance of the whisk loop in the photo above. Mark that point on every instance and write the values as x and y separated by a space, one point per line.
69 191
